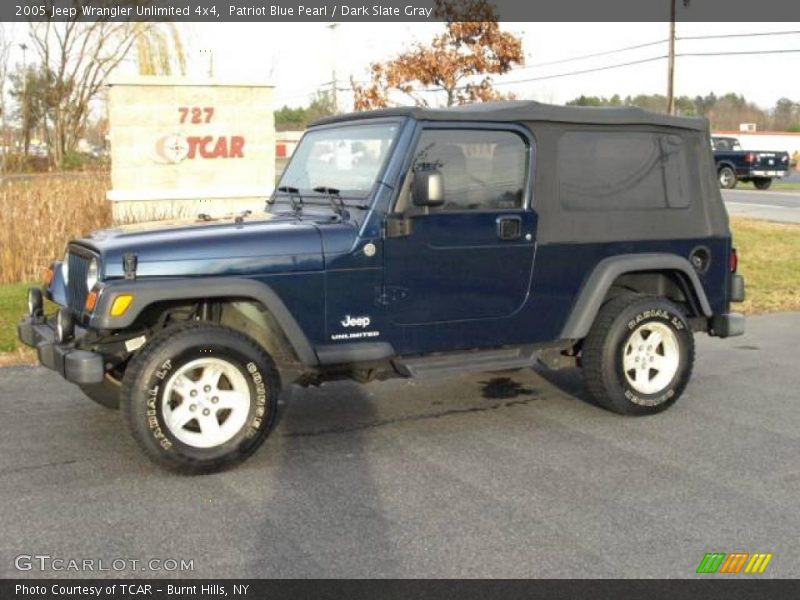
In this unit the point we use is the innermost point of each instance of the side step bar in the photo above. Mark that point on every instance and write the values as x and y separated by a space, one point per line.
452 363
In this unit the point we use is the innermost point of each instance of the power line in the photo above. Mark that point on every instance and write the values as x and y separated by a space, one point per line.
649 44
613 66
635 62
593 55
583 71
735 35
741 53
651 59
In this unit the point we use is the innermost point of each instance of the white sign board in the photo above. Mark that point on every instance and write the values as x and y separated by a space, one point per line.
180 148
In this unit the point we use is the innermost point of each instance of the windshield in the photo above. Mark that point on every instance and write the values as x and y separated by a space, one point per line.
347 158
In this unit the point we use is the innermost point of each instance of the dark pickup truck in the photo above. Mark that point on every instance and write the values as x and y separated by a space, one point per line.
735 165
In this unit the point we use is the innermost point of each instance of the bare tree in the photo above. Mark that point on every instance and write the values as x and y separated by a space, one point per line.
5 50
160 50
79 56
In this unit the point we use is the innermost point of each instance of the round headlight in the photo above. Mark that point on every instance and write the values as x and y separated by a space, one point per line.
35 302
91 274
65 268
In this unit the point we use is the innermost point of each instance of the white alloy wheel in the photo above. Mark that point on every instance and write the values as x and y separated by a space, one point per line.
651 357
206 402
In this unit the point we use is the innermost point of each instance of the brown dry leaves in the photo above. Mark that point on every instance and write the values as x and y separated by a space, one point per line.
472 45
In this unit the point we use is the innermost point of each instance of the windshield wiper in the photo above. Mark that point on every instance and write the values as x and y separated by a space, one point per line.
295 199
337 204
337 200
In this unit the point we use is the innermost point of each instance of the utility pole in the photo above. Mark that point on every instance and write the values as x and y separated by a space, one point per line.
671 61
671 58
26 110
334 80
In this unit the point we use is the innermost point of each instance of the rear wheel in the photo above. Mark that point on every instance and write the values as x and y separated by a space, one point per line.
638 356
727 178
762 183
200 397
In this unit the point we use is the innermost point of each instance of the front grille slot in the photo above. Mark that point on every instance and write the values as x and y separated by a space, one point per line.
76 287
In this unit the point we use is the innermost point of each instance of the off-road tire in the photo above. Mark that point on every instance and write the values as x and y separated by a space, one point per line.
148 376
727 178
603 353
106 394
762 183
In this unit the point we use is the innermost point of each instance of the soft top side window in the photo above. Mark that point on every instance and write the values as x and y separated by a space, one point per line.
482 169
623 170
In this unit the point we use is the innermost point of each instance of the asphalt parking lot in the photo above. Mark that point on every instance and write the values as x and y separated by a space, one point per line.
500 475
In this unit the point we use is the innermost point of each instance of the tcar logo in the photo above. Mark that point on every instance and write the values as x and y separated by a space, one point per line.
175 148
172 148
356 321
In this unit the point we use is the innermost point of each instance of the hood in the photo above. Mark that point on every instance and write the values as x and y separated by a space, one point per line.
258 244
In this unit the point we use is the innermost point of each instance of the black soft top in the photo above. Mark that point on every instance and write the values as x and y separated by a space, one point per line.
527 110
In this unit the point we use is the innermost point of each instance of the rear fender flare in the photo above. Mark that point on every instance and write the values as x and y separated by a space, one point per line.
596 286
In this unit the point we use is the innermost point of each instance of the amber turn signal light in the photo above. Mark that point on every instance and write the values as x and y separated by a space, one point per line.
48 277
91 301
121 304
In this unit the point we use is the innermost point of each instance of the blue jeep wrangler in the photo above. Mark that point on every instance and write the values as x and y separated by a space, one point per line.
407 243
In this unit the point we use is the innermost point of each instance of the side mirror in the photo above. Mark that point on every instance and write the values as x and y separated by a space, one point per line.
428 189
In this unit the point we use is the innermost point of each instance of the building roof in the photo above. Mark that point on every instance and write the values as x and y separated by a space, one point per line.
526 110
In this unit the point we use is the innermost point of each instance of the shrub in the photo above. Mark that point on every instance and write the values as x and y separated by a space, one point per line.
40 213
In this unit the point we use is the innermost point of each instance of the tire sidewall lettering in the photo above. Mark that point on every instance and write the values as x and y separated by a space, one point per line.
630 395
656 313
259 401
153 420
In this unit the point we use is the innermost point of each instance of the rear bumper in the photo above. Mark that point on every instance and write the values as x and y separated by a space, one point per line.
78 366
771 173
736 291
727 325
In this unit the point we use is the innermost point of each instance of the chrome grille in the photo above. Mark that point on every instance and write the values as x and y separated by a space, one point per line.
76 287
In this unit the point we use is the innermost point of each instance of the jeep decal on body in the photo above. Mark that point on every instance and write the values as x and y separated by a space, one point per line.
362 322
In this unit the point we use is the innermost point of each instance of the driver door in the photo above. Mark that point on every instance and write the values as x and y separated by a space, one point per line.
469 259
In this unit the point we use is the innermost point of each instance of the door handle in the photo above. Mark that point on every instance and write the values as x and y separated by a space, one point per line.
509 227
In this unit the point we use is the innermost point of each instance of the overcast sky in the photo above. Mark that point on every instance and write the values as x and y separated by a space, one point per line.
298 57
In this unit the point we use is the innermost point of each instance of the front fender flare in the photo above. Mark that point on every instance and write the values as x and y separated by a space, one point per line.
596 287
148 292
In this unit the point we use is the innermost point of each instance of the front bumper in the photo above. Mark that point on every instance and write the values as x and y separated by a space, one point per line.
78 366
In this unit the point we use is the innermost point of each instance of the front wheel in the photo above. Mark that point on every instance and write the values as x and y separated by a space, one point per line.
200 397
638 356
762 183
